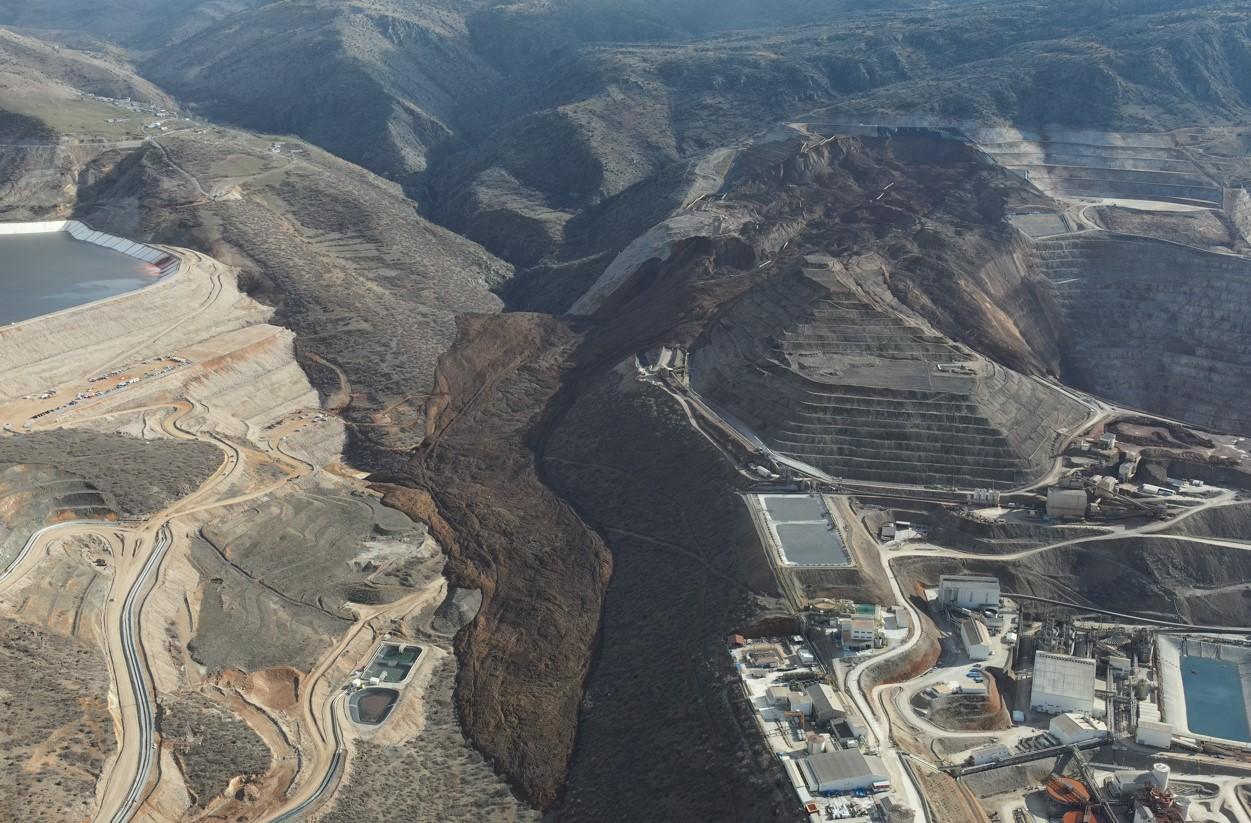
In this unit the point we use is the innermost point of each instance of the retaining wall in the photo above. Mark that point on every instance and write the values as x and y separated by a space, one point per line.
167 263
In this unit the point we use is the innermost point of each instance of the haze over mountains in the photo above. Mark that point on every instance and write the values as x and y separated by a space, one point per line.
481 220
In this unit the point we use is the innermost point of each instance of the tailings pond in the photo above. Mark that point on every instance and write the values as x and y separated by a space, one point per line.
48 272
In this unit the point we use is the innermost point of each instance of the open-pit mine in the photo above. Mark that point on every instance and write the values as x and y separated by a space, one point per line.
646 410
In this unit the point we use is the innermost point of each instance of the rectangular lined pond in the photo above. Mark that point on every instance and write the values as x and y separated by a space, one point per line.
805 530
1214 698
50 271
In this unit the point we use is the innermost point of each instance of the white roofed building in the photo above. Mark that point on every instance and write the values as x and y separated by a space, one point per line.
970 591
1071 729
989 753
842 770
975 638
1063 683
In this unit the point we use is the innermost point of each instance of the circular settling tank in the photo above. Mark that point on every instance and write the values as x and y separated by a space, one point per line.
1067 792
1082 816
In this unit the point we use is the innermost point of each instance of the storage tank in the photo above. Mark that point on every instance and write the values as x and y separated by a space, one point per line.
1159 776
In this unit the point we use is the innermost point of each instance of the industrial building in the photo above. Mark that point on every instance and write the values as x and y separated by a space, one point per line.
969 591
826 706
857 632
989 753
1071 729
1066 503
975 638
842 770
1154 733
1063 683
800 702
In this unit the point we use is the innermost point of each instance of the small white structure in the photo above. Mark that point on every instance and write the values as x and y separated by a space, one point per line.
975 638
1105 486
985 497
969 591
800 702
1071 728
1107 440
1154 733
779 695
842 770
818 743
989 753
1066 503
1159 775
1063 683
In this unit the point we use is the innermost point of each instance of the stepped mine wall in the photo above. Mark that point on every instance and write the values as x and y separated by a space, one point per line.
1160 326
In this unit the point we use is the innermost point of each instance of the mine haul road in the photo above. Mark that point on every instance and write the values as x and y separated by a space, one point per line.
128 771
143 742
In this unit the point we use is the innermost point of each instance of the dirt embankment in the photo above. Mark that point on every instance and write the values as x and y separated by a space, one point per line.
1153 577
920 659
971 712
1222 522
541 570
966 534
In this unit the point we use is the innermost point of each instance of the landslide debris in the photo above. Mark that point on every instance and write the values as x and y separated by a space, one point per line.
523 397
687 570
541 570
